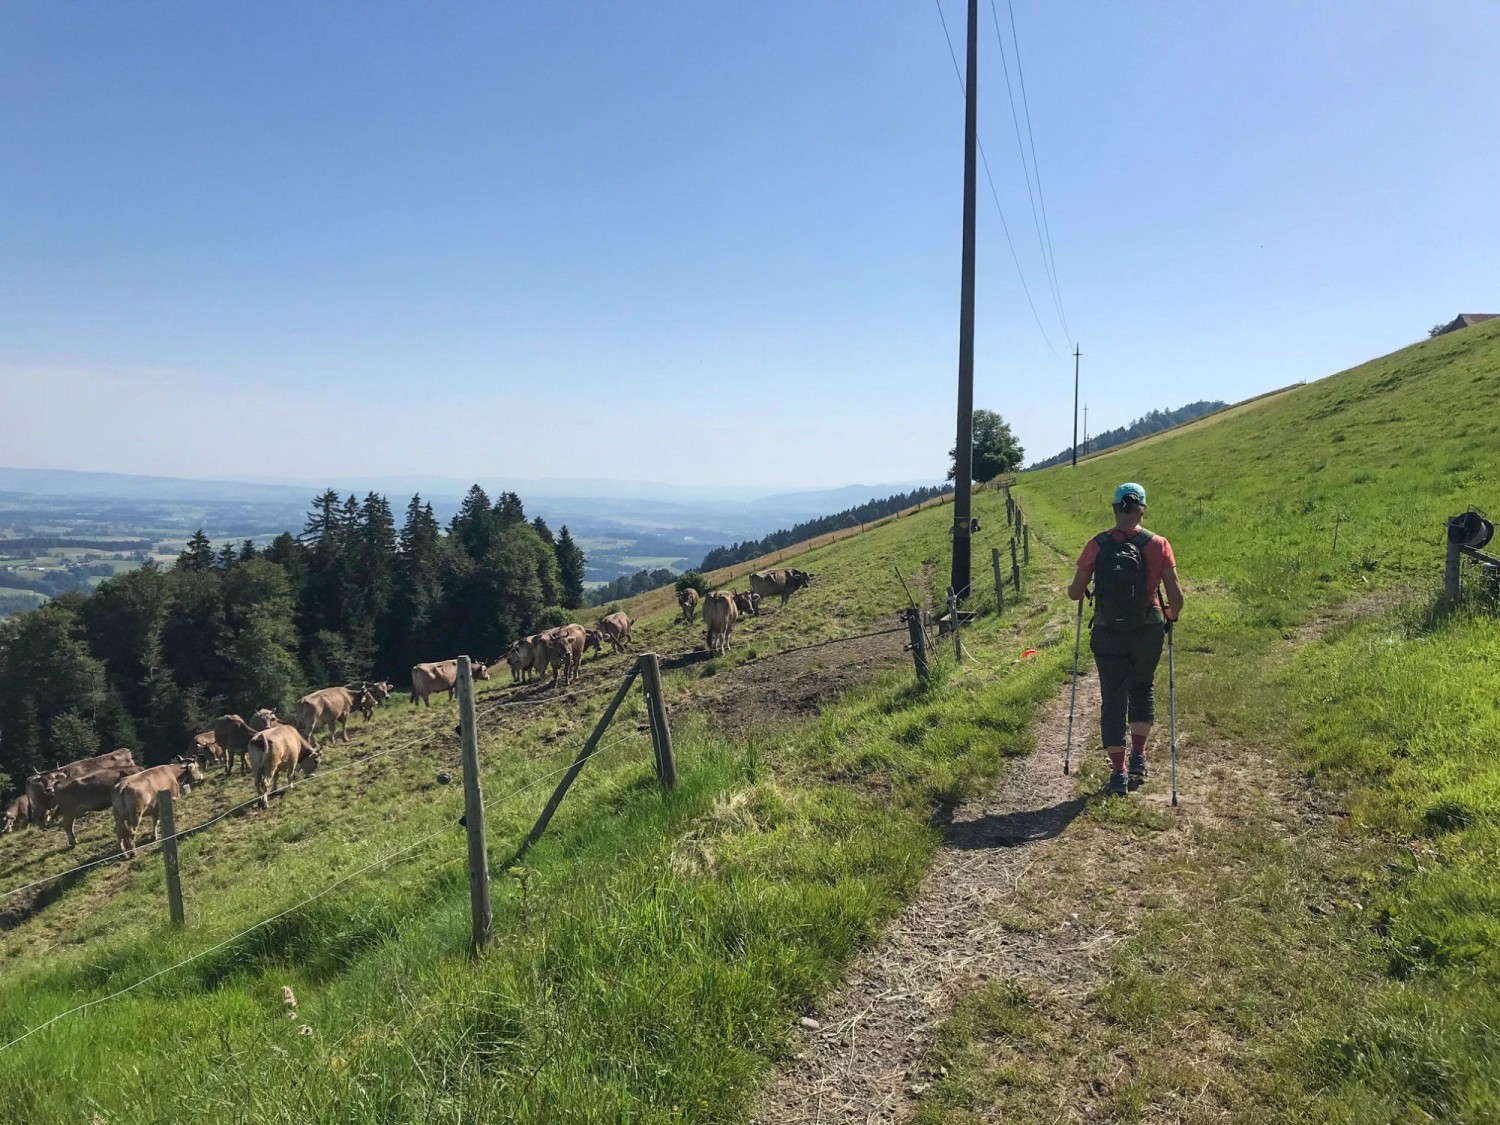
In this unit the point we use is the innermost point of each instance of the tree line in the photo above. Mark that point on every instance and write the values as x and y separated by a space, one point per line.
152 656
811 529
628 585
1154 422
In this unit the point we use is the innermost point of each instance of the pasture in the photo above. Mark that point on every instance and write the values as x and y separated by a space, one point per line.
652 954
1356 980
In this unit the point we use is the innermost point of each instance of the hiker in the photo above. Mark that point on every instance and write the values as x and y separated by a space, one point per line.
1129 565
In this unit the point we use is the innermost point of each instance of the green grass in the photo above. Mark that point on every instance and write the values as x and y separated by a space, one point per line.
650 957
1384 1006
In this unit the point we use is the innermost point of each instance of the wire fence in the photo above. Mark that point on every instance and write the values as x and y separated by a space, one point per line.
384 860
393 856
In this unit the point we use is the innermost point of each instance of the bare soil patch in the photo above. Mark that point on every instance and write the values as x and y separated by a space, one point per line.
779 688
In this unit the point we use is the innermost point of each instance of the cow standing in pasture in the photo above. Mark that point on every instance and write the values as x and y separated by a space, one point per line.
688 600
368 695
234 733
616 629
17 815
441 676
90 792
719 614
134 798
280 748
569 642
522 657
782 582
38 793
330 707
205 749
747 604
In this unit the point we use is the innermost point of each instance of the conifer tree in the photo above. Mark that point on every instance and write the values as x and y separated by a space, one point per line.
570 569
198 555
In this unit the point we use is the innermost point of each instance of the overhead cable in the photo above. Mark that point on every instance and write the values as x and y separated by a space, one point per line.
995 195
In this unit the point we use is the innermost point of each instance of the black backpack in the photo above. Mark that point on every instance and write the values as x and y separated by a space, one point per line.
1122 599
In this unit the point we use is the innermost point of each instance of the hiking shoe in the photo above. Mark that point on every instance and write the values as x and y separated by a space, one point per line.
1137 769
1118 786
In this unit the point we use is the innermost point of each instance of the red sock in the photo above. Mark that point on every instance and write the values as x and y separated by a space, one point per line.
1117 760
1138 742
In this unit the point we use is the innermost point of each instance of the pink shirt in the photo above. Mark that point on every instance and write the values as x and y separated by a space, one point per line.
1157 553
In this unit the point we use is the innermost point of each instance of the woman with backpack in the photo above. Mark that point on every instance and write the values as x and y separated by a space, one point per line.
1128 565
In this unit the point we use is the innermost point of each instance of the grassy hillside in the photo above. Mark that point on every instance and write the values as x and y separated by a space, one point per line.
1325 496
650 957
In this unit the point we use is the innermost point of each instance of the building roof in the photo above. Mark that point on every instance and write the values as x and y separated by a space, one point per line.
1468 320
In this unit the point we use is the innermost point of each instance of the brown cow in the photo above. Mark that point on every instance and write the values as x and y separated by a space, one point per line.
747 604
522 657
330 707
558 650
233 734
576 640
375 692
688 600
90 792
280 748
36 791
134 798
429 679
206 749
17 814
783 582
616 629
719 614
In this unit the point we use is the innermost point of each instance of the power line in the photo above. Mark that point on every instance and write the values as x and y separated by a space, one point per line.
1042 245
1041 198
994 194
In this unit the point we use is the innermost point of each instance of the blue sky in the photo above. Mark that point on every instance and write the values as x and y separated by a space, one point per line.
703 242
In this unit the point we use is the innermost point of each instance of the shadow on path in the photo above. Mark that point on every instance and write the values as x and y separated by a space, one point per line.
1007 830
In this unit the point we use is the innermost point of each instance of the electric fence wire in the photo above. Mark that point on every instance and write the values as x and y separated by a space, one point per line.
227 941
995 195
385 859
183 833
1044 241
326 771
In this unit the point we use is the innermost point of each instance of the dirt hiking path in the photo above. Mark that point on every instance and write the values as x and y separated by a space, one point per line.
1025 889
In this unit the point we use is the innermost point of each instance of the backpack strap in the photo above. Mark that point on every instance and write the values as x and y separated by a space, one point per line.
1141 537
1103 539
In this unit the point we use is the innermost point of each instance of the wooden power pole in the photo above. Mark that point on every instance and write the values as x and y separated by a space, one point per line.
1076 354
964 449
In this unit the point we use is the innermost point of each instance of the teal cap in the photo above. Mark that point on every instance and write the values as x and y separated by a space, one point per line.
1130 488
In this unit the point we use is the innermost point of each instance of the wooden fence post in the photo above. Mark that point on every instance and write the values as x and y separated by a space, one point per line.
479 859
999 585
1010 509
913 619
958 645
1026 543
166 828
1015 566
1452 585
656 711
583 756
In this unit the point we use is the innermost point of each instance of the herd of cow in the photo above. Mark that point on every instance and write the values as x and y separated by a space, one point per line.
266 747
722 608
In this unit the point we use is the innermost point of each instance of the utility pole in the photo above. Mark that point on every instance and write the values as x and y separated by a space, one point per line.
1076 354
964 449
1085 427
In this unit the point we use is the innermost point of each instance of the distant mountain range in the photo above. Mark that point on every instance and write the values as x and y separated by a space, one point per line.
693 518
128 486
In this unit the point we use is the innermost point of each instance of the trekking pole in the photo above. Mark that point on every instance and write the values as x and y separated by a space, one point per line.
1172 709
1073 691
